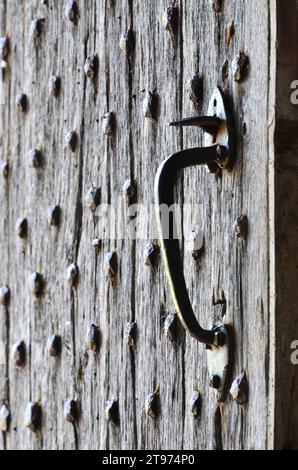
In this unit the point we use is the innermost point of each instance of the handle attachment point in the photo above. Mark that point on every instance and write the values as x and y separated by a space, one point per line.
220 360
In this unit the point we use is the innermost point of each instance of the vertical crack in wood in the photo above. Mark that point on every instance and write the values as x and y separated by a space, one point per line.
76 437
107 381
240 339
183 346
133 378
218 441
78 212
7 323
183 399
109 200
79 206
73 325
7 189
271 97
78 230
7 383
133 241
95 284
7 334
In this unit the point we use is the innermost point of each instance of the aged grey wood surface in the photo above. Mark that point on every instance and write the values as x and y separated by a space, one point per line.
240 269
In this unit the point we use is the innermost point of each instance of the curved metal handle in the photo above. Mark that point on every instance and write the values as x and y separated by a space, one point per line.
164 195
219 152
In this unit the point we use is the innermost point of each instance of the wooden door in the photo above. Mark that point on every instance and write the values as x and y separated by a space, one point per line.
144 79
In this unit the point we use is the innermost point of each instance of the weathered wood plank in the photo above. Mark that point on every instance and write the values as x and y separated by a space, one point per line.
107 164
159 364
228 263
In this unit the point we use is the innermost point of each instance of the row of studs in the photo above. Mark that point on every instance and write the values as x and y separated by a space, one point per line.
72 409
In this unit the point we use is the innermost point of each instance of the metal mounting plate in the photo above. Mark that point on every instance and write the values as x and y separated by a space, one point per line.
220 360
219 107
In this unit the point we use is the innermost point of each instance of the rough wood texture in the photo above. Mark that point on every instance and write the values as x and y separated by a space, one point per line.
163 65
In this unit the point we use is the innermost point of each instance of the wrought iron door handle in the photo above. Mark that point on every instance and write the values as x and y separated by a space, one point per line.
219 152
